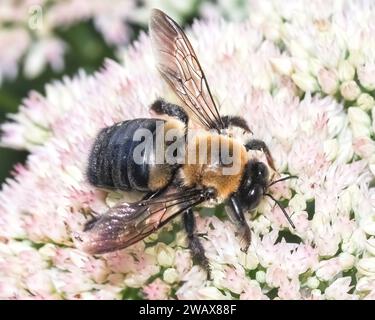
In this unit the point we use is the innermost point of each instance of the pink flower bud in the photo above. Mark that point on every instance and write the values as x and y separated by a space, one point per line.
328 80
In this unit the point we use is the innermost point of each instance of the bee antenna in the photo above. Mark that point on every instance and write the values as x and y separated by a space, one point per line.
283 210
282 179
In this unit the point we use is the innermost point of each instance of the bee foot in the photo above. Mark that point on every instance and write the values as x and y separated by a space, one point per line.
245 236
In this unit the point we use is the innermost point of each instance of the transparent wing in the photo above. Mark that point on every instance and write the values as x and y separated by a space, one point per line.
179 65
128 223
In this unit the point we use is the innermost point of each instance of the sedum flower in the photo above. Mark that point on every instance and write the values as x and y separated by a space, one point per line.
156 290
346 71
339 289
170 275
366 266
311 135
14 43
350 90
328 80
29 34
366 102
366 75
164 254
360 122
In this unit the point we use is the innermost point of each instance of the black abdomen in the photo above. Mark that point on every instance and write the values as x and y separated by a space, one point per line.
112 163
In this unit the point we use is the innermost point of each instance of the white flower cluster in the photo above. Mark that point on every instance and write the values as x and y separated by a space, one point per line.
29 28
291 71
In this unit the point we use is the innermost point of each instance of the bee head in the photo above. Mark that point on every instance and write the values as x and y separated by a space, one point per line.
253 185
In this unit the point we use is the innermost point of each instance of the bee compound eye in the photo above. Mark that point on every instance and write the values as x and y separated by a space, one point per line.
261 170
261 167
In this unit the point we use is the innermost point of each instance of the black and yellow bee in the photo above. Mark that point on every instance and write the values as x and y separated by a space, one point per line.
173 189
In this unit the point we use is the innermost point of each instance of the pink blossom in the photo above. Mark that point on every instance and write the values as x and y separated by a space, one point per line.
289 290
252 291
14 44
156 290
338 290
231 279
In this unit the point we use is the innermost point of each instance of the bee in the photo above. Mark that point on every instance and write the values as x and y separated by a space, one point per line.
174 189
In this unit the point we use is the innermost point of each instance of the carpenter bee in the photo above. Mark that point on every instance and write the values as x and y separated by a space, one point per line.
173 189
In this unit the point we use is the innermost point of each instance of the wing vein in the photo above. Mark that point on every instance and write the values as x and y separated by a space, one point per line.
179 65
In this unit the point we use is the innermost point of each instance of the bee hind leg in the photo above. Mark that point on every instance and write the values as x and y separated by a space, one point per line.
196 247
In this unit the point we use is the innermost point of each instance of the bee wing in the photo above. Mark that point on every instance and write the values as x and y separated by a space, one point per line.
128 223
179 65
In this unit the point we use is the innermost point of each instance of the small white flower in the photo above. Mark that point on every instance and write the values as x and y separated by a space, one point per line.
366 102
338 290
282 65
366 75
366 266
346 261
48 251
355 243
370 245
211 293
331 148
328 269
164 254
297 203
360 122
261 225
260 276
344 203
372 164
316 294
170 275
40 283
328 80
368 224
350 90
305 81
48 51
313 282
135 280
366 284
346 71
249 259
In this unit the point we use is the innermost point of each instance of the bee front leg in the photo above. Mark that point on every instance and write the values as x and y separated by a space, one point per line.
236 215
260 145
196 247
235 121
162 107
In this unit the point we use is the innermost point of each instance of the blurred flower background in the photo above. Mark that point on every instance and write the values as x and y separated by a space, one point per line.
302 73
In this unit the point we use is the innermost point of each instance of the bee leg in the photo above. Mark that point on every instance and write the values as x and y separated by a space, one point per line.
195 245
169 109
236 215
153 194
255 144
235 121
